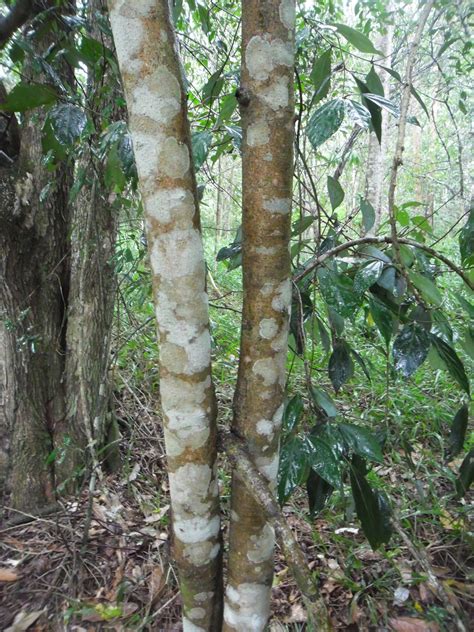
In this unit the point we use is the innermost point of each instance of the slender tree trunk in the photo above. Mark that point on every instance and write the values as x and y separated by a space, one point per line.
219 204
267 108
93 284
152 77
377 153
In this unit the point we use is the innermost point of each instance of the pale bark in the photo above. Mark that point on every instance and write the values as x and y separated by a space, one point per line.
267 108
151 73
377 152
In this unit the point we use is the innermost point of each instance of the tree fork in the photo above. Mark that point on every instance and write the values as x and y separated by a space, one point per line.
152 78
267 109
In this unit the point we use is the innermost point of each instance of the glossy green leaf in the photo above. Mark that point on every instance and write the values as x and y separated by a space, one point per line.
335 191
338 292
319 492
466 305
341 366
457 435
371 507
68 122
374 83
383 318
321 76
384 103
367 276
228 105
357 39
452 361
201 142
292 413
374 109
323 401
361 441
427 288
410 348
368 214
466 238
325 122
322 460
466 474
293 468
301 225
358 113
27 96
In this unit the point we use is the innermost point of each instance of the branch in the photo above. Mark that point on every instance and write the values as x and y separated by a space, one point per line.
315 263
257 485
14 19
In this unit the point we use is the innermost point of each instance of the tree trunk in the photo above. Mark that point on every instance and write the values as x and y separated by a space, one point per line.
152 77
93 284
377 153
267 109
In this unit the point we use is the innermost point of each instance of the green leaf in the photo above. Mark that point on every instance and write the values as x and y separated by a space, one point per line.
357 39
384 103
367 275
420 101
321 76
322 460
325 122
27 96
227 107
293 467
113 175
213 86
383 318
341 366
301 225
201 142
371 507
468 342
358 113
319 492
457 435
361 441
323 401
292 413
338 292
68 121
466 305
374 83
374 109
410 348
466 238
368 214
466 474
427 288
452 361
335 191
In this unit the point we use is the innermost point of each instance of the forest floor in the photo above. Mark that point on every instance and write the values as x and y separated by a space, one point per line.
103 561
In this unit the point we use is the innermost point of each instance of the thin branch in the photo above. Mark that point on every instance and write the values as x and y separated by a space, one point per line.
18 15
257 485
315 263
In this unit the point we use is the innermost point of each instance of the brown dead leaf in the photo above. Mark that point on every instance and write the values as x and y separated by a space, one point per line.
297 614
157 583
7 575
24 620
410 624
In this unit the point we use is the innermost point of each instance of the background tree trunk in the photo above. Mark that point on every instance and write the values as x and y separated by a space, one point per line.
93 279
152 77
267 109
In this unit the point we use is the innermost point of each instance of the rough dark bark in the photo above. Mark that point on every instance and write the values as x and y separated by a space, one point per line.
92 286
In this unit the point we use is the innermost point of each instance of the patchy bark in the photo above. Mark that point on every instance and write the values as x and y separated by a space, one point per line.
267 108
151 73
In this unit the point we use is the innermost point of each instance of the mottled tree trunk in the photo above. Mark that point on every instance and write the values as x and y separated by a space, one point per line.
377 152
267 108
152 77
93 284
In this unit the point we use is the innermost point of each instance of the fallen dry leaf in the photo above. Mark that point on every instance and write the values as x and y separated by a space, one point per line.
7 575
24 620
410 624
